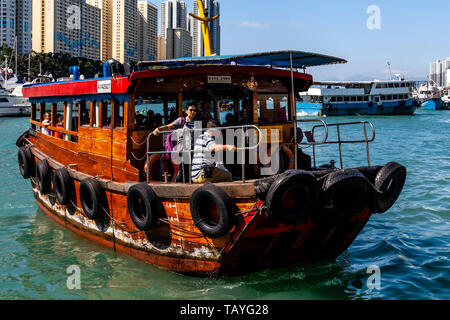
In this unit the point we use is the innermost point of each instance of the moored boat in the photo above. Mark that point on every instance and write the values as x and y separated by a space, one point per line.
108 178
349 98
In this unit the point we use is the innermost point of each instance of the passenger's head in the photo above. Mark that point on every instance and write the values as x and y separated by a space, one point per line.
150 114
229 118
206 106
139 119
47 116
191 110
60 119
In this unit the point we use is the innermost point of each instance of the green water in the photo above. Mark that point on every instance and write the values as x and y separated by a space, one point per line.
410 243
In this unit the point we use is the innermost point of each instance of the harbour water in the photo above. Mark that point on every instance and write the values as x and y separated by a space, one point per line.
410 244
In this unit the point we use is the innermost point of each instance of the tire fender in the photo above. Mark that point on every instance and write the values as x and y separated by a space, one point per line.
143 206
62 185
92 198
389 182
212 211
26 162
43 176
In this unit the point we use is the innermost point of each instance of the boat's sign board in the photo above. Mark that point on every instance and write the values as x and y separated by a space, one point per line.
219 79
104 86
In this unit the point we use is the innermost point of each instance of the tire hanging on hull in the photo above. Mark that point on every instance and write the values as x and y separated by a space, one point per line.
143 206
292 198
43 176
62 185
389 182
92 198
345 193
212 211
26 162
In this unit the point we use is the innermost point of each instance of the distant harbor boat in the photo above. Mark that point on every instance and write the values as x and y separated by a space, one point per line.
8 108
348 98
429 96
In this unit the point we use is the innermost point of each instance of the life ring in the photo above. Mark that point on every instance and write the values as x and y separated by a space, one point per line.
292 198
345 193
143 206
212 211
389 182
62 185
282 166
43 176
154 165
26 162
92 198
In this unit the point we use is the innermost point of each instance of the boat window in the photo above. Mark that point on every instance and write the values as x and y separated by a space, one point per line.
353 99
397 85
377 99
85 113
271 109
384 85
3 100
360 98
389 97
366 98
333 99
339 99
118 114
346 99
106 113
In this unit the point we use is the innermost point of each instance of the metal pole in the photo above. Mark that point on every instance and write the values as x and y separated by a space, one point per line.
367 144
340 146
295 112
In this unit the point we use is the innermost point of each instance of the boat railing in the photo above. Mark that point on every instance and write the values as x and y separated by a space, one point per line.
339 141
189 151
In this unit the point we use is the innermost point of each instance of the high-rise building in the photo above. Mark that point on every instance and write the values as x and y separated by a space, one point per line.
23 26
212 8
105 27
66 26
125 31
445 72
8 22
173 16
179 43
162 51
15 32
147 30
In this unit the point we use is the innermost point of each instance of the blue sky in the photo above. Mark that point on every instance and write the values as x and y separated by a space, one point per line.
413 33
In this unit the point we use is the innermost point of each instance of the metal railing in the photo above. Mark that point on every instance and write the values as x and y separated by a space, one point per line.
339 141
183 151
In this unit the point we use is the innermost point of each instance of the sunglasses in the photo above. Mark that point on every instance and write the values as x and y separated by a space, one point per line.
192 110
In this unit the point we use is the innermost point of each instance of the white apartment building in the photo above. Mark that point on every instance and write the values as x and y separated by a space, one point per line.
147 30
125 31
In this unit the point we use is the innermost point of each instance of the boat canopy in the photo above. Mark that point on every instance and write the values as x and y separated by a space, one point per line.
280 59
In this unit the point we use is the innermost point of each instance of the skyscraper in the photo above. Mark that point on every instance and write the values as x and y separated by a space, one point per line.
15 18
125 31
212 8
178 43
173 16
148 30
66 26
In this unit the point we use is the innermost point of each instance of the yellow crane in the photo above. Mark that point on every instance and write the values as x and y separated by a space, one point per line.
205 27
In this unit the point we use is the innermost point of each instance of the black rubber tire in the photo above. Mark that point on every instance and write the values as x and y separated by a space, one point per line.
143 206
26 162
389 182
302 191
62 185
345 193
43 177
21 140
91 196
201 201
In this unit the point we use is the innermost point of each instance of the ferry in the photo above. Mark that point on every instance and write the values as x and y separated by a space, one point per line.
109 180
349 98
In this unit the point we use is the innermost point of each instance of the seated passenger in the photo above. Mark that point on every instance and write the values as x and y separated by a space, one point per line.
230 120
204 167
149 120
205 115
60 124
246 117
139 120
46 123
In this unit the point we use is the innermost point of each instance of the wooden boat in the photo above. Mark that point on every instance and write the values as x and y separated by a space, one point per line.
93 180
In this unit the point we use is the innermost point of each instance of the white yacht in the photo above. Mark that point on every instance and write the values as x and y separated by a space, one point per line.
9 109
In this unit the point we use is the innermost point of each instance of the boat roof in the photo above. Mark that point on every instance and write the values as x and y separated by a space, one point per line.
337 83
281 59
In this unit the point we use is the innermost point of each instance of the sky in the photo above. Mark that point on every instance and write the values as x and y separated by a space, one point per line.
412 33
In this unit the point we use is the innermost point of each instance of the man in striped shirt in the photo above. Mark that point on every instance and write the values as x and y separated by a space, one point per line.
204 167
